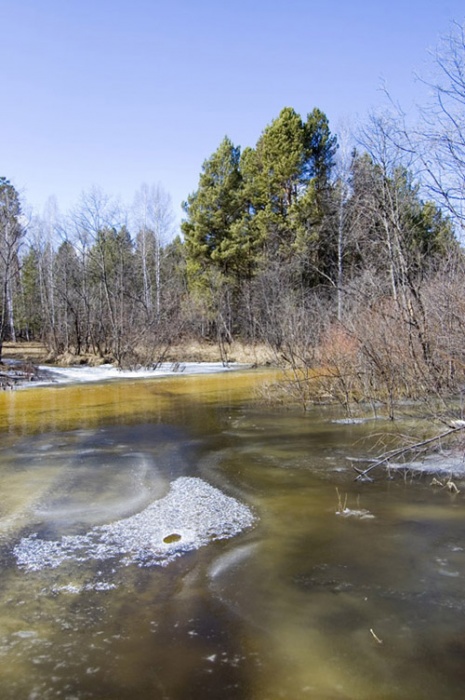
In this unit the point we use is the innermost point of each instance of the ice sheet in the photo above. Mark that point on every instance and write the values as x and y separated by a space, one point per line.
191 515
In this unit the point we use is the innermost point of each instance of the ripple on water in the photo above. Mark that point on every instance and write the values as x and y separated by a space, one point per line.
191 515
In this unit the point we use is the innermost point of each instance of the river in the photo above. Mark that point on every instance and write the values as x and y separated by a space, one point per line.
175 539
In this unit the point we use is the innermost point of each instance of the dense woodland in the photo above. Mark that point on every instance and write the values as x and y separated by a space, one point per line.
342 255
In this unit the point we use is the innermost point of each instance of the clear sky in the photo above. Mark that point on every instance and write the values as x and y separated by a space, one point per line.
116 93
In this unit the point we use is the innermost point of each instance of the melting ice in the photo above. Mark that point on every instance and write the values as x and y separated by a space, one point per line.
191 515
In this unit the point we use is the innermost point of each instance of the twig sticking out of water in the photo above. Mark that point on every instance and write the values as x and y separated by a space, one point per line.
449 485
341 506
362 475
375 636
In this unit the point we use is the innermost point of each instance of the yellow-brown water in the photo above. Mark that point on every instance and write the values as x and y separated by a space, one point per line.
305 604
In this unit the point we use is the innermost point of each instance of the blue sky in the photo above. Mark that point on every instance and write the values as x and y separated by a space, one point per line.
116 93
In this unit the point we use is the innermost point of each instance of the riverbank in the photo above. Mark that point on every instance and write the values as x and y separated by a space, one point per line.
189 351
25 363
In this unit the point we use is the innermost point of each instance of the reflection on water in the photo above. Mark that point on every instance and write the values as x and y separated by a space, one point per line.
302 604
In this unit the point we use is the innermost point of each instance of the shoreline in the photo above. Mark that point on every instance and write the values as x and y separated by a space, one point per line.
22 361
189 351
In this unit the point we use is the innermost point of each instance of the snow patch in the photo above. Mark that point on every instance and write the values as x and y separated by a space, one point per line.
84 374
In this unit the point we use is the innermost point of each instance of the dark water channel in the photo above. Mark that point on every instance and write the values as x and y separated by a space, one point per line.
266 593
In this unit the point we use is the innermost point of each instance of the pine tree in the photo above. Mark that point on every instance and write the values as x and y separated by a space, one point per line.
286 181
212 229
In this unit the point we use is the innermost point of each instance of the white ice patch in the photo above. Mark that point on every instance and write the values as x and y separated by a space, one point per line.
360 514
190 516
449 463
350 421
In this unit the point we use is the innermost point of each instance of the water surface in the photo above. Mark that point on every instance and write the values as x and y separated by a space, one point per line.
294 602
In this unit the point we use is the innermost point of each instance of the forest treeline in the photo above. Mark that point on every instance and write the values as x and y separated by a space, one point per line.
343 257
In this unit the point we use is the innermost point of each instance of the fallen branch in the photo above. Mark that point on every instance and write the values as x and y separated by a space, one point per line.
15 373
362 475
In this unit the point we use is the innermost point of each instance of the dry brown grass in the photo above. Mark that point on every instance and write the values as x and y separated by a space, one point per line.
26 351
197 351
188 351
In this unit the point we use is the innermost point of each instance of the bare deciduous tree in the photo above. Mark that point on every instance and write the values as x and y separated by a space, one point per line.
439 141
12 232
153 221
